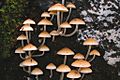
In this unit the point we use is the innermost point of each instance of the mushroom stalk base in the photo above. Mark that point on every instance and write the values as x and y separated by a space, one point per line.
51 74
92 58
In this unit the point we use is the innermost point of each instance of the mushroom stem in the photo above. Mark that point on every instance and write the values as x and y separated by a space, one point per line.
53 38
51 73
82 76
63 2
68 35
62 76
29 70
29 53
88 52
69 14
27 36
52 17
44 27
22 43
43 42
92 58
64 31
21 56
36 77
58 21
61 16
25 69
39 54
65 59
72 79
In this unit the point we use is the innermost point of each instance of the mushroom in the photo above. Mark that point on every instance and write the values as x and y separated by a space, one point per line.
53 13
51 67
65 51
45 22
89 42
22 37
63 68
73 74
20 51
37 72
45 14
77 22
29 21
78 56
54 33
58 8
44 35
27 28
70 6
94 53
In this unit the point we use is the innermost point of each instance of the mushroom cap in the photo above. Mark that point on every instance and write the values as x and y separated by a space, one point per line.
29 47
51 66
36 71
94 52
45 22
44 34
81 63
22 37
73 74
29 21
45 14
78 56
63 68
77 21
90 41
26 27
85 70
65 25
71 5
29 62
44 48
53 12
54 33
58 7
19 50
65 51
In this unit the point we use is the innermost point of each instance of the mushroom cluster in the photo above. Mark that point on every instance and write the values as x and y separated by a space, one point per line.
81 64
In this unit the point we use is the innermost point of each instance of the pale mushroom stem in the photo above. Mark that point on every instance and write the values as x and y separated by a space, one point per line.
68 35
64 32
25 69
29 70
51 73
22 43
82 76
61 16
29 53
58 21
65 59
44 27
69 14
27 36
88 52
36 77
53 38
63 2
72 79
21 56
39 54
62 76
92 58
43 42
52 17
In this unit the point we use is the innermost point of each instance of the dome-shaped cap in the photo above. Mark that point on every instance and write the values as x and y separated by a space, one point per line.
54 33
65 51
44 48
19 50
29 47
29 62
29 21
45 22
37 71
78 56
90 41
51 66
44 34
94 52
63 68
85 70
81 63
26 27
73 74
71 5
77 21
22 37
58 7
45 14
65 25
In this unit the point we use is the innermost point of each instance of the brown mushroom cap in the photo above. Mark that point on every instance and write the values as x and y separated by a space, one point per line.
29 21
44 34
81 63
22 37
53 12
90 41
71 5
77 21
26 27
65 25
63 68
65 51
44 48
19 50
45 14
51 66
45 22
54 33
78 56
29 47
58 7
94 52
73 74
85 70
37 71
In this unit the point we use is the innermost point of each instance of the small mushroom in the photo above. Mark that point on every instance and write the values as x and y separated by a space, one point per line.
29 21
78 56
45 14
20 51
54 33
22 37
53 13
